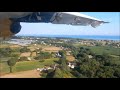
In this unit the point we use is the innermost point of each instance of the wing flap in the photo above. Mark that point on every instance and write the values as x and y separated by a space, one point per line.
74 18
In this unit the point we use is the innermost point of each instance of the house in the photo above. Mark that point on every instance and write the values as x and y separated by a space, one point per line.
24 59
71 65
68 53
90 56
58 55
46 68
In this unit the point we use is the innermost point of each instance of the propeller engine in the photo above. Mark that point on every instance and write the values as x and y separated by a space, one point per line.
15 27
8 28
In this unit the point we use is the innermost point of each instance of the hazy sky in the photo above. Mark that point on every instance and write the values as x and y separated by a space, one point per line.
112 28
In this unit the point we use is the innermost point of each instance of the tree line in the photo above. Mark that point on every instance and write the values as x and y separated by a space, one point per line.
96 66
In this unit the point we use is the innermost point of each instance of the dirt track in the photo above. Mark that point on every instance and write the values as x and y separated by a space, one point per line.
23 74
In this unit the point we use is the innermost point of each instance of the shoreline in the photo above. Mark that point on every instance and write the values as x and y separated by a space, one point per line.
84 37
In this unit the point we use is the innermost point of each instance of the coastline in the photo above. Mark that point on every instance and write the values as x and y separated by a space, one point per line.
92 37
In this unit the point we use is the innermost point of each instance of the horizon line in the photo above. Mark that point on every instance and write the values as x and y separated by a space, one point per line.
66 35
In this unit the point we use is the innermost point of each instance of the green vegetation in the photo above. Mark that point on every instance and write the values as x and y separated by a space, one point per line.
62 74
11 62
88 65
100 50
5 52
43 55
4 68
24 49
63 71
62 53
93 59
29 65
26 65
99 66
103 49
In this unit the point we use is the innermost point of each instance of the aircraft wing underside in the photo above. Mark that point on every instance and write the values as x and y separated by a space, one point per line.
70 18
10 21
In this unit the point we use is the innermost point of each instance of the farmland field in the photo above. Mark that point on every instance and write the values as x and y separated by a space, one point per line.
26 65
114 52
103 49
29 68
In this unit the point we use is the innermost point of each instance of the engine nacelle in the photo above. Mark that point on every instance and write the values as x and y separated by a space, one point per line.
15 27
8 28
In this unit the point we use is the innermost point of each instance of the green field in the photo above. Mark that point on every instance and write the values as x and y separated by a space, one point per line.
102 49
4 68
116 60
26 65
114 52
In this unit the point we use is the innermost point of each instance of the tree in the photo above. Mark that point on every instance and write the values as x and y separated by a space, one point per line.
11 62
62 53
24 49
117 71
63 63
75 52
76 73
100 73
43 55
58 73
5 52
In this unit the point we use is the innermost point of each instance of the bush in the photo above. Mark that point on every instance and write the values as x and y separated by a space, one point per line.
43 75
24 49
42 60
11 62
43 55
23 59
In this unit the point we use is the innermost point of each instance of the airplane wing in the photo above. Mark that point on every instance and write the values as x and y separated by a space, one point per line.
10 21
70 18
75 18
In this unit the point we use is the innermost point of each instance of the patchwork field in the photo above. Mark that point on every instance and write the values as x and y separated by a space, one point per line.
25 65
51 49
44 48
27 69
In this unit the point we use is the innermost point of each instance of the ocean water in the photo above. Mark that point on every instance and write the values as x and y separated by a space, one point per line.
94 37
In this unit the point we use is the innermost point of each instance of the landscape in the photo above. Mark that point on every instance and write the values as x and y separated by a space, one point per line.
59 45
59 57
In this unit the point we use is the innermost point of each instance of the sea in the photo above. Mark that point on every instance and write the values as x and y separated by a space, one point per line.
94 37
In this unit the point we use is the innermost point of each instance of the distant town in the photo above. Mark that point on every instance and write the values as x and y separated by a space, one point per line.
26 40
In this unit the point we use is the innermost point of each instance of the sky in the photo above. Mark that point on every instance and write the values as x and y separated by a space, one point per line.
109 29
